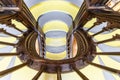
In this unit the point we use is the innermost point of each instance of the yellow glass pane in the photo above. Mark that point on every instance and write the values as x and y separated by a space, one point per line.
90 23
56 56
106 36
19 25
4 63
92 72
50 76
117 7
7 39
112 63
55 42
113 43
25 73
55 5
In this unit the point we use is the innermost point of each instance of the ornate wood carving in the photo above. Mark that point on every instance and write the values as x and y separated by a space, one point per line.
26 49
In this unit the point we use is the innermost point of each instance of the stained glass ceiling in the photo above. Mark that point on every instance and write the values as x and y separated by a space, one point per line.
55 18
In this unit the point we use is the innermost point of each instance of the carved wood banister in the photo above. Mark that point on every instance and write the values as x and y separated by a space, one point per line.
23 14
82 16
100 2
26 17
106 15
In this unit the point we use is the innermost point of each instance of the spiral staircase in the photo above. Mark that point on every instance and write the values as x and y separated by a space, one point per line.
55 39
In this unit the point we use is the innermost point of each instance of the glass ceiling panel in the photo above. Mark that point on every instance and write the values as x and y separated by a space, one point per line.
41 10
31 3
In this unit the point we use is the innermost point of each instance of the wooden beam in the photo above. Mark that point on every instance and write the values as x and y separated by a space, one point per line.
117 36
9 9
59 73
108 53
42 68
11 2
109 13
104 67
5 72
79 73
98 33
6 43
104 41
98 22
100 2
7 33
9 54
26 17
